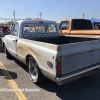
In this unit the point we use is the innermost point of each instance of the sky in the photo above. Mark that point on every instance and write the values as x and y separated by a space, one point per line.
55 10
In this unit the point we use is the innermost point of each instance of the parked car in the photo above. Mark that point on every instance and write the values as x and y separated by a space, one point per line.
78 28
5 30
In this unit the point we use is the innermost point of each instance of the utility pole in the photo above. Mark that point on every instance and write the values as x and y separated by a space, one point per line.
40 14
5 21
14 13
83 15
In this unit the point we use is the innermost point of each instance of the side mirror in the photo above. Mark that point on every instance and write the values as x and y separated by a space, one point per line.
15 30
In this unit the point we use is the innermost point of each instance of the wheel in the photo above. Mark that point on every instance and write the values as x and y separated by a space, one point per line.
6 52
34 72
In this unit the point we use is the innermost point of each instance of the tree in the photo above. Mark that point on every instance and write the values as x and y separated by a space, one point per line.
9 23
1 24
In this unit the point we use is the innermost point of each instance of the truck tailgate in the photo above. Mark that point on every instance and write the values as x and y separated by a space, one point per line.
76 56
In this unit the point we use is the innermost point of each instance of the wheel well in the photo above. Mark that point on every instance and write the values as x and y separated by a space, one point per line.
27 58
3 44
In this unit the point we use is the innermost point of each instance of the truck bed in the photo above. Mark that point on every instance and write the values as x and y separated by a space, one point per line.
76 52
82 53
63 40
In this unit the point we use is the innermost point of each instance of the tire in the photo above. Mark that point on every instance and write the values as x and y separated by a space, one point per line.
34 72
6 52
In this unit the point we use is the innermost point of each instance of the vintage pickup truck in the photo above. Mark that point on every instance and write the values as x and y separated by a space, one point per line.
78 28
62 59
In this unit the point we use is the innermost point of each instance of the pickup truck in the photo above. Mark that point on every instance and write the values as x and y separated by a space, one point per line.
78 28
38 44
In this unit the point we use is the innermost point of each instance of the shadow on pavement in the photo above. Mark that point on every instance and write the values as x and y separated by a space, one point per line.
6 74
20 64
76 90
1 50
81 89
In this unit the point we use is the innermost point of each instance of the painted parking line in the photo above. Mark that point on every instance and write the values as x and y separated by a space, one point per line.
12 83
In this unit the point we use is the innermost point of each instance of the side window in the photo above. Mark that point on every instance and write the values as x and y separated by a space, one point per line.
81 25
64 25
15 29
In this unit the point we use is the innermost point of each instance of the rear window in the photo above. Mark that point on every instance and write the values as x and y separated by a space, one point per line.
39 28
82 25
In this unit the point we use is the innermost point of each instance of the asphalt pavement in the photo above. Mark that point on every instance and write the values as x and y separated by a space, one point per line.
14 74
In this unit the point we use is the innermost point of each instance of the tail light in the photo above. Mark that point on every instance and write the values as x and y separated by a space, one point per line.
58 68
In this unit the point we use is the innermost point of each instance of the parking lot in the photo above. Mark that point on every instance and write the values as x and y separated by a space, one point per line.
15 84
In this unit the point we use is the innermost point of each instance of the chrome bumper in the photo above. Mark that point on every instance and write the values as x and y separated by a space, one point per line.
77 74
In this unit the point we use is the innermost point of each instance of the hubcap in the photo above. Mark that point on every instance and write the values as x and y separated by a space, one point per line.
33 70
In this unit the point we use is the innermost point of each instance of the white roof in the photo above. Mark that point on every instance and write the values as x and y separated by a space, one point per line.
35 21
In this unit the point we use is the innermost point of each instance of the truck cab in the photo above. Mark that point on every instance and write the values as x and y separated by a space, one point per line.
78 27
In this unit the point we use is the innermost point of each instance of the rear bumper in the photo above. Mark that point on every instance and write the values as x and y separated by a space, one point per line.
77 74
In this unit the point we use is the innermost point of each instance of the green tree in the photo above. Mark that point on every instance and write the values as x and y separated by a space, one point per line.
9 23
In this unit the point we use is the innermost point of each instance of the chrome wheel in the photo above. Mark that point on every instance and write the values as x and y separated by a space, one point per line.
33 70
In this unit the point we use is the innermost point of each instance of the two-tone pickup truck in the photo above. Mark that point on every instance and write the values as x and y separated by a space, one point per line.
62 59
78 28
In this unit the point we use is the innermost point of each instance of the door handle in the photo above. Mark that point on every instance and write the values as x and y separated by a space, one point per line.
15 41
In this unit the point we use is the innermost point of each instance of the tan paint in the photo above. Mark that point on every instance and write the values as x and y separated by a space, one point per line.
79 33
66 32
27 50
33 51
21 49
86 36
85 32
